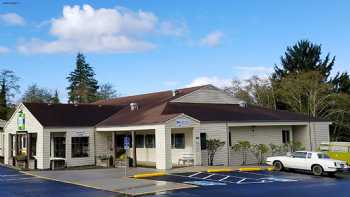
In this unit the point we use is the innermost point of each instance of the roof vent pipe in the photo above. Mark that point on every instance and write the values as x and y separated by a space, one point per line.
243 104
175 92
134 106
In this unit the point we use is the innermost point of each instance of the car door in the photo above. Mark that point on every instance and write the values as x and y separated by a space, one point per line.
298 160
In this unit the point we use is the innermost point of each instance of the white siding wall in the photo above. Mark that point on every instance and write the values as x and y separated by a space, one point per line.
2 143
176 153
32 126
207 95
103 143
261 135
216 131
71 162
301 134
320 133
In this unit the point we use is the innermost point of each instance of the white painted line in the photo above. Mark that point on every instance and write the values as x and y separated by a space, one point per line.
17 179
208 176
238 182
6 175
224 178
195 174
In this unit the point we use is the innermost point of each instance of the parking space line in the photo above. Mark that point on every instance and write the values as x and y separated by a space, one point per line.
195 174
208 176
224 178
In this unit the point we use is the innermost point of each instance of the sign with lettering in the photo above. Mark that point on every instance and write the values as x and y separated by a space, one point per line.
21 121
126 143
80 134
182 122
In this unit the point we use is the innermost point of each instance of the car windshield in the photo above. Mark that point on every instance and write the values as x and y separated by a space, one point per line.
323 156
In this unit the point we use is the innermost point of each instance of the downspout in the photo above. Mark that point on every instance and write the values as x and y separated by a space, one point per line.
228 145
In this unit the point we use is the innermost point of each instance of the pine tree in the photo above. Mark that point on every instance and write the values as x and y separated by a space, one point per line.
83 86
55 99
304 56
3 102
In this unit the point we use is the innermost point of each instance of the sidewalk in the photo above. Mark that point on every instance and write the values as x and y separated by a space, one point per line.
114 179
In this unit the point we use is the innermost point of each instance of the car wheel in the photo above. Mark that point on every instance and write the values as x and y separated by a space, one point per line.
278 166
317 170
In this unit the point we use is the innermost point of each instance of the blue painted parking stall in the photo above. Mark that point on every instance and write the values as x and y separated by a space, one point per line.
210 179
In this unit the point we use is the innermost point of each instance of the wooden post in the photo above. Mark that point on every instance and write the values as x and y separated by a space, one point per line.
28 150
114 147
134 163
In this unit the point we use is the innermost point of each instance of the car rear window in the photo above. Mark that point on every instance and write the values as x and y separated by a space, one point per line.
322 156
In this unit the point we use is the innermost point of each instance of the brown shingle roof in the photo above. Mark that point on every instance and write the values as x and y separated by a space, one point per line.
234 113
70 115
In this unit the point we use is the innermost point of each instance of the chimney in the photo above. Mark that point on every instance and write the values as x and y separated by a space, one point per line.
134 106
242 104
175 92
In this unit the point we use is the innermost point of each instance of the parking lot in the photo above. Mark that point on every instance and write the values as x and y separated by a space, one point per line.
16 184
259 184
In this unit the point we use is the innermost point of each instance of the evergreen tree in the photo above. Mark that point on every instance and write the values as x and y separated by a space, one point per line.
83 86
9 88
55 99
341 83
304 56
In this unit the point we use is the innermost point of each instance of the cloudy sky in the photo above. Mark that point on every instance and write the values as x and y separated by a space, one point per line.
143 46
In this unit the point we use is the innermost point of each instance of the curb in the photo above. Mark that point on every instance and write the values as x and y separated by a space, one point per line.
220 170
251 169
146 175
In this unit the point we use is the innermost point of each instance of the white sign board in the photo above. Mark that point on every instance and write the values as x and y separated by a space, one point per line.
80 134
183 122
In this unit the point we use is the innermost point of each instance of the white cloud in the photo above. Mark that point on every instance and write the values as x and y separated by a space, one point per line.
173 29
246 72
4 50
212 39
12 19
216 81
99 30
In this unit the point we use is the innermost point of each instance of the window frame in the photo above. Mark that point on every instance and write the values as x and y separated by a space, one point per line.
285 136
174 144
203 141
81 146
150 145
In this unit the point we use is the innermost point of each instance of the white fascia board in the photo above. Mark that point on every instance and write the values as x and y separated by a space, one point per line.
16 111
130 128
235 124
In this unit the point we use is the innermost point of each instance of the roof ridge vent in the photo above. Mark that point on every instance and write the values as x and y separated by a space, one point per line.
134 106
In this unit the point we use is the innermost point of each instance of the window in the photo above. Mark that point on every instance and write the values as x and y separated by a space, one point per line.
285 136
59 147
178 140
203 141
309 155
140 141
150 141
299 155
229 139
323 156
80 146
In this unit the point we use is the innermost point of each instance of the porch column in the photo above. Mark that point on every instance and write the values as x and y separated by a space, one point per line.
163 148
114 150
197 152
28 149
134 161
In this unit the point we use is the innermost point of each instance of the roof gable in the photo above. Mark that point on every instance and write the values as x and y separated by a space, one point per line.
208 94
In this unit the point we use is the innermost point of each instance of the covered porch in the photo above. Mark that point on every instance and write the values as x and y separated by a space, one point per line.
160 146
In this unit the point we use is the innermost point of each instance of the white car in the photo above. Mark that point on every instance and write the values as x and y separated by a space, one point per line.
316 162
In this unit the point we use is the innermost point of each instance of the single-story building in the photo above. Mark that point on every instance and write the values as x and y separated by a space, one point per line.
2 140
162 128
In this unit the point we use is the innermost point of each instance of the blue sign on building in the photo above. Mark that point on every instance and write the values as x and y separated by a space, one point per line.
126 142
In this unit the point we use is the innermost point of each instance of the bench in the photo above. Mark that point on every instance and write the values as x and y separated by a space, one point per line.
186 158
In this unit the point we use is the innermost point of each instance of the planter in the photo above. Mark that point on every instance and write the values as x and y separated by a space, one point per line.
21 164
103 163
